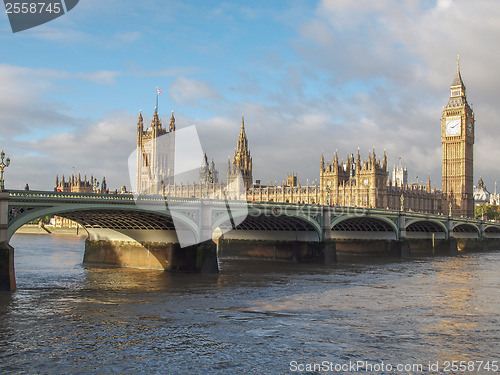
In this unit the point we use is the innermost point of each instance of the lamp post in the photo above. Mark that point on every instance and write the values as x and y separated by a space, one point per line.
2 167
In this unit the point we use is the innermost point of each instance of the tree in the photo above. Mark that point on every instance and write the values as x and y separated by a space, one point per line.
487 212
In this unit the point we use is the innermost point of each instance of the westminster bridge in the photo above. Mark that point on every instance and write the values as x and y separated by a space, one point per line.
181 233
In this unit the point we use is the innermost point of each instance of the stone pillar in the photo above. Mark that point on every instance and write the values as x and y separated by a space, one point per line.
450 227
152 255
7 275
482 229
326 223
402 225
329 251
207 250
452 241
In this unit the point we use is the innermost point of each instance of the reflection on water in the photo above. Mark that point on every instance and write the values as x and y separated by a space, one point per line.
254 317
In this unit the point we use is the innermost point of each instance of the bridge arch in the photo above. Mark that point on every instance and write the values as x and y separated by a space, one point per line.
364 227
466 230
270 223
108 222
418 228
491 231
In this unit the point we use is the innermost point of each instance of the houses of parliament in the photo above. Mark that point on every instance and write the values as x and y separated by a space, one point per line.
349 182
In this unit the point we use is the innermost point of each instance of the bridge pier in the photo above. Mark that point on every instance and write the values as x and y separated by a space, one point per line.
201 257
288 251
349 249
7 275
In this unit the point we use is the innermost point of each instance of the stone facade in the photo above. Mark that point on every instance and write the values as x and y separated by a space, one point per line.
367 183
155 155
75 184
353 182
62 222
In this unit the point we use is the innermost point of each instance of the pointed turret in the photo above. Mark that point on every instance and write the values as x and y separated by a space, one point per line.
140 121
457 81
322 164
171 127
457 90
155 123
358 162
104 185
242 161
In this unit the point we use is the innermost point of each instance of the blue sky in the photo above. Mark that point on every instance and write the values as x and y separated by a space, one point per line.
310 77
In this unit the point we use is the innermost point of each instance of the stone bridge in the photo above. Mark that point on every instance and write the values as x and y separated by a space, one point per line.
177 233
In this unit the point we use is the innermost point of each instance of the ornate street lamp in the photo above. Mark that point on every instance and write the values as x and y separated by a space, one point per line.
2 167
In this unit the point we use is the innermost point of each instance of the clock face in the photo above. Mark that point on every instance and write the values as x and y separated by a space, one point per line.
470 127
453 127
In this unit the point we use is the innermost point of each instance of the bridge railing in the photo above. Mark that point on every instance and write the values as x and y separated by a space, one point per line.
53 195
39 195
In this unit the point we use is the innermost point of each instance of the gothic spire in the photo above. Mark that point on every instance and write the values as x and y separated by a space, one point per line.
242 160
155 122
140 122
242 148
457 81
171 127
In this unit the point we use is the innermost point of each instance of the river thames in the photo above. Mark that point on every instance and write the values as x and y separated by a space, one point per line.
413 316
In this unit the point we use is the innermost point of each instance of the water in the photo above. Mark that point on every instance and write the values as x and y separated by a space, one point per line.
252 318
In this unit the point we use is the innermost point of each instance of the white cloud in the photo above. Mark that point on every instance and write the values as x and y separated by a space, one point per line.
100 149
398 59
102 77
186 91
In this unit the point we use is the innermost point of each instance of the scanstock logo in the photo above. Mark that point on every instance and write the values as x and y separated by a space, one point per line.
25 14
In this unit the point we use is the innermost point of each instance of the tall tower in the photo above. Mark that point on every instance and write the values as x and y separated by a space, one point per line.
155 155
242 161
457 137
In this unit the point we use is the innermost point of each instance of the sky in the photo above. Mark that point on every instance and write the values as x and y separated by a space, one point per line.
310 77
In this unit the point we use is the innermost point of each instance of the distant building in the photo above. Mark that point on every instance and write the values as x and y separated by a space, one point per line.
399 175
481 194
367 184
495 197
291 180
75 184
208 174
62 222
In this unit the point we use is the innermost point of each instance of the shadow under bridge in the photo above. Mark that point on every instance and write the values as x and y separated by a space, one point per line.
372 227
136 225
275 223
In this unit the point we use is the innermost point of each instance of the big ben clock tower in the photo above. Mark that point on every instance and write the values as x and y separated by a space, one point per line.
457 137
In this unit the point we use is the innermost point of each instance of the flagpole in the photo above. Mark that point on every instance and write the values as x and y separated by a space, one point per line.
156 98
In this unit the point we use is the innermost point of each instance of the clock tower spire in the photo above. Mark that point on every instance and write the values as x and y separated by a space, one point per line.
457 138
